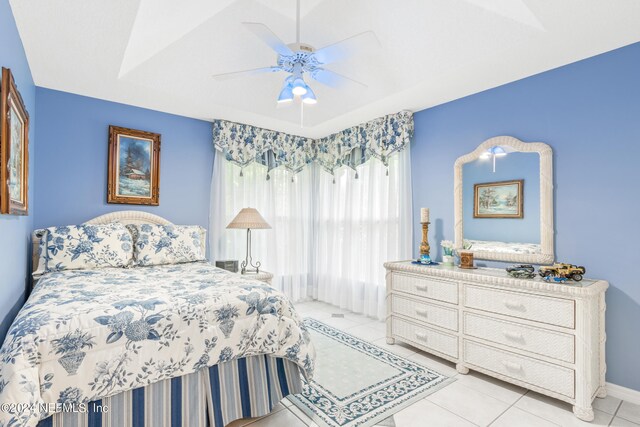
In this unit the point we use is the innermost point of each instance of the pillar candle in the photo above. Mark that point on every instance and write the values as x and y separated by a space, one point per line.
424 215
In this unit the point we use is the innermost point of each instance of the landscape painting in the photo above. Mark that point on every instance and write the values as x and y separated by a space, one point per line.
499 199
14 149
133 166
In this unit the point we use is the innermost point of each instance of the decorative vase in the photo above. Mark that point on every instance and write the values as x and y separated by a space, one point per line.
447 260
72 361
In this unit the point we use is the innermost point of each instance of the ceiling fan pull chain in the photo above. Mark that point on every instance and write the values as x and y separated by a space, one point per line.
298 22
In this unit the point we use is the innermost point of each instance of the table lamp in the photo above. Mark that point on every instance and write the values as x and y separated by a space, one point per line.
249 218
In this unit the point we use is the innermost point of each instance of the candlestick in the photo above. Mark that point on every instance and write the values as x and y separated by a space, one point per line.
424 246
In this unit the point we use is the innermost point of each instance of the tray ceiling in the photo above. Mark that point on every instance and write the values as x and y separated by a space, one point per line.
161 54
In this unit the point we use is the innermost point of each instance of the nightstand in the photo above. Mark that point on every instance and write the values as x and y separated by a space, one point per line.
263 276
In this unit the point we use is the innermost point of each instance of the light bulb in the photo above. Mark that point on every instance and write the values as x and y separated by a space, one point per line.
299 86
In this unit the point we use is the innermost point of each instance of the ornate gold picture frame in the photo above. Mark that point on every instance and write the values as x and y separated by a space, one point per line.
134 167
14 149
503 199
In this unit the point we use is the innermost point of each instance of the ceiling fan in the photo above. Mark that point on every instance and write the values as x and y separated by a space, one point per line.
300 59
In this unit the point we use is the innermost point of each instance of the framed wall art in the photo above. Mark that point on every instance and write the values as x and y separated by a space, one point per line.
14 149
502 199
134 167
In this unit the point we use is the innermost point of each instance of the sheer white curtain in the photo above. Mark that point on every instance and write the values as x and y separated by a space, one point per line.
358 225
329 240
284 250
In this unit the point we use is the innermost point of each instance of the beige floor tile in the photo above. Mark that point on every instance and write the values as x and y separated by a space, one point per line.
621 422
557 411
630 412
609 404
422 411
436 363
342 323
501 390
517 417
302 416
316 315
279 419
328 307
366 333
246 421
469 404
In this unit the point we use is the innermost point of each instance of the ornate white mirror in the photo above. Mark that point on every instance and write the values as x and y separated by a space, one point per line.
504 201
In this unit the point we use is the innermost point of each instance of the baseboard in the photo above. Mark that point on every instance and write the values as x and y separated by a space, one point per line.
624 393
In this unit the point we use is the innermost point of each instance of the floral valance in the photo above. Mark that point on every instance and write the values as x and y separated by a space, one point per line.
379 138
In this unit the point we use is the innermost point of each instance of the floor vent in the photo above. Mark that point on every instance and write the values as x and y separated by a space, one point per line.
340 315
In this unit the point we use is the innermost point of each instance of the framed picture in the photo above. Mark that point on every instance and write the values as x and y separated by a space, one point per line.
498 199
134 167
14 149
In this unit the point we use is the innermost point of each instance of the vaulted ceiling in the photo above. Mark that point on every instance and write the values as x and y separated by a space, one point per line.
161 54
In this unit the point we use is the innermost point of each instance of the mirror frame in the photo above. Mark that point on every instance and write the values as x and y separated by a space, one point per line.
546 200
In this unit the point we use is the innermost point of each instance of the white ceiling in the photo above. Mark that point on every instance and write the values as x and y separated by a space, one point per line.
161 54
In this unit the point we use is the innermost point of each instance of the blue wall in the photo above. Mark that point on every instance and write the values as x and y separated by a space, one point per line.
71 170
525 166
15 230
589 112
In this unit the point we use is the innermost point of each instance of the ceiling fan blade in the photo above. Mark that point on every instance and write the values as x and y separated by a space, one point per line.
333 79
245 73
352 45
267 36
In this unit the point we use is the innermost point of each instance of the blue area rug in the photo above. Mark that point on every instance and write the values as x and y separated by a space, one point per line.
358 384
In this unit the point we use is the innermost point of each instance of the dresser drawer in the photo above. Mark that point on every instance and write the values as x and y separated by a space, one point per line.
425 337
438 315
531 371
554 311
556 345
441 290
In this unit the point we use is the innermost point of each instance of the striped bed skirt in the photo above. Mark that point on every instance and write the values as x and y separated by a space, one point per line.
215 396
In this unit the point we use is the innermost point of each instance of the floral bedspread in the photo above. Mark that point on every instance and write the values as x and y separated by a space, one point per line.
87 334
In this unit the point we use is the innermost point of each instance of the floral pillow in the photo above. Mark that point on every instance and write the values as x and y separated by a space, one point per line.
168 244
85 246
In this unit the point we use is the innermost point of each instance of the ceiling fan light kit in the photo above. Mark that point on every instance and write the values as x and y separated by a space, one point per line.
299 58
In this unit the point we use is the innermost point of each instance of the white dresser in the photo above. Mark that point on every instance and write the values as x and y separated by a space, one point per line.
546 337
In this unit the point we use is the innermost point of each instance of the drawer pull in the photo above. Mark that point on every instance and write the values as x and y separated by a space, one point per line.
514 305
421 336
422 312
513 336
512 366
422 288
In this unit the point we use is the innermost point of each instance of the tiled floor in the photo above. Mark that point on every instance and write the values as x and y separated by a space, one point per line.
472 400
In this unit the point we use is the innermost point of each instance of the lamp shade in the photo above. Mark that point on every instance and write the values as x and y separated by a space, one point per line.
248 218
286 94
309 97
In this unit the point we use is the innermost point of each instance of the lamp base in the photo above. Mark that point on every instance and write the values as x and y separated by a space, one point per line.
247 265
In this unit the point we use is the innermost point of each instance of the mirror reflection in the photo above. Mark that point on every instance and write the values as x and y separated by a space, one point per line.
501 202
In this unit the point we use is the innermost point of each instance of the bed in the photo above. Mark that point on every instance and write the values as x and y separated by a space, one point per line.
164 345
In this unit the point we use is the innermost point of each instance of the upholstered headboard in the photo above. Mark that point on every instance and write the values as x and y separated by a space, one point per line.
125 217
